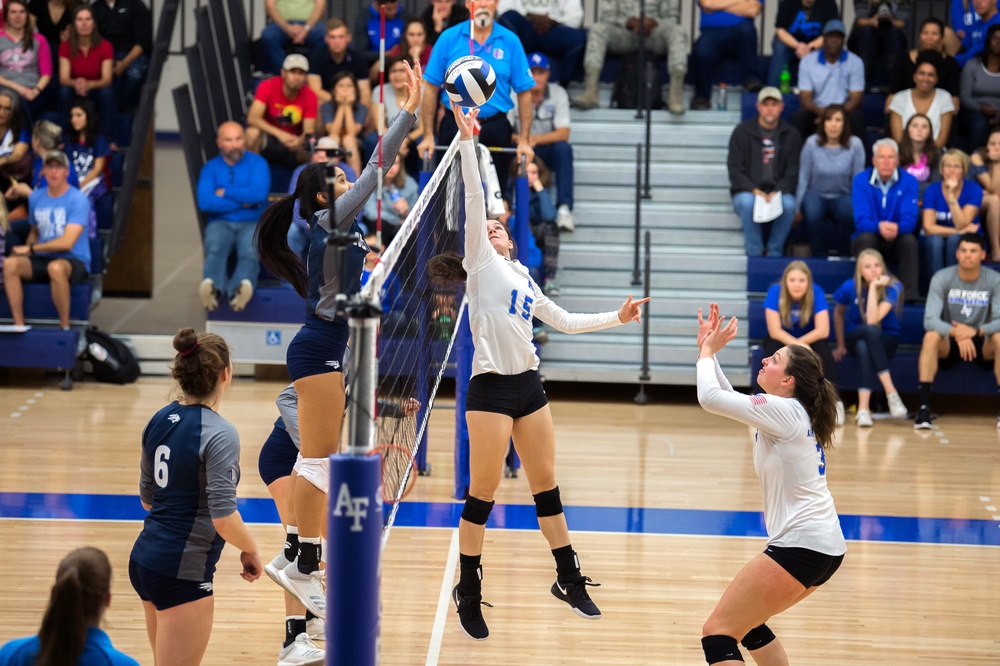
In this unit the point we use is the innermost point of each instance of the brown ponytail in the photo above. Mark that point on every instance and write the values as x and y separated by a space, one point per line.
816 393
447 267
78 599
201 359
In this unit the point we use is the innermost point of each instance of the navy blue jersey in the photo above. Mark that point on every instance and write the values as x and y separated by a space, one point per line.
190 467
322 264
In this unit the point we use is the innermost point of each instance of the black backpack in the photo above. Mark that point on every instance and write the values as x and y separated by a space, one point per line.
112 361
627 86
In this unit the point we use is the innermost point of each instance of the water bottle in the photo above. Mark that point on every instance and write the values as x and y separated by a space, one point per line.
722 101
99 353
394 194
786 81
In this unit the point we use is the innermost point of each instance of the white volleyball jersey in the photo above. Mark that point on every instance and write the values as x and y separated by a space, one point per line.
502 297
791 465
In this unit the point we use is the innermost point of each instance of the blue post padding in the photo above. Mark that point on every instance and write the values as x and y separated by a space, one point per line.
425 177
463 350
522 211
426 331
354 534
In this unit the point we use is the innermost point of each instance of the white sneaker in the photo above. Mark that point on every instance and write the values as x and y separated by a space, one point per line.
896 406
316 629
564 219
274 567
302 652
244 293
840 413
206 291
307 588
863 419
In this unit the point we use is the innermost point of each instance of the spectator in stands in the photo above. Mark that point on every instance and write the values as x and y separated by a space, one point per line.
398 196
46 137
346 118
618 32
282 115
764 163
25 61
885 212
503 51
440 15
550 134
232 193
394 97
552 27
86 69
797 313
878 37
986 168
926 98
542 216
16 159
326 150
829 161
951 209
961 320
797 34
335 56
90 154
128 25
866 324
964 19
918 155
975 38
367 29
931 38
57 248
980 109
727 31
295 25
413 44
833 76
52 19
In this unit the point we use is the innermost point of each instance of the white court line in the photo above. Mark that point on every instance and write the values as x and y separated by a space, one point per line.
444 602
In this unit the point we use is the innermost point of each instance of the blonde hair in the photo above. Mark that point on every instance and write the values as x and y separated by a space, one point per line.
861 289
785 299
4 221
955 154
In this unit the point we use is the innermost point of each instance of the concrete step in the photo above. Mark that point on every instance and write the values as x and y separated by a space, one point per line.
595 346
667 214
717 239
669 308
597 257
659 118
587 172
580 279
657 154
679 135
716 196
611 372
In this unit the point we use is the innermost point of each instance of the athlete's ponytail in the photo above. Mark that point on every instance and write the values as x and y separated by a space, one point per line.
78 599
816 393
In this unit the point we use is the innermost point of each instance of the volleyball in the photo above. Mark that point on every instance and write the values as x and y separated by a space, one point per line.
470 81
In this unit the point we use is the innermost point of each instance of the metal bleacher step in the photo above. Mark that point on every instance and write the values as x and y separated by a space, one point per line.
665 175
611 371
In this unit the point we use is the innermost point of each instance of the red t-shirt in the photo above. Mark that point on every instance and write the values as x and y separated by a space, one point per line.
87 66
286 114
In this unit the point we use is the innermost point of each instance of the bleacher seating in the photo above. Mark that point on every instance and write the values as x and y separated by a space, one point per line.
762 272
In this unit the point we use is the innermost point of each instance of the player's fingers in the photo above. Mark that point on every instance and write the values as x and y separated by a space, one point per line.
641 301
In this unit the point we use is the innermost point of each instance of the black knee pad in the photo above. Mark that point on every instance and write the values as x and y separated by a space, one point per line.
476 511
758 637
548 503
720 648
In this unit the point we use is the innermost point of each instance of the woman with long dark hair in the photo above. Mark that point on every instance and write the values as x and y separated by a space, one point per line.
86 61
315 357
795 418
70 632
505 396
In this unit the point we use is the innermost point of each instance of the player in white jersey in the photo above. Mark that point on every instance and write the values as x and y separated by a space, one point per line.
505 395
795 419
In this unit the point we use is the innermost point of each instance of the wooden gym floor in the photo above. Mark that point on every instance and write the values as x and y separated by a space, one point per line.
662 499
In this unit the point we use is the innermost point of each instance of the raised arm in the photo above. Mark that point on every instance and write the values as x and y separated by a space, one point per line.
478 249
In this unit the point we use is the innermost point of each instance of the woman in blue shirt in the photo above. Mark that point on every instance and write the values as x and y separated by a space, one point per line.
70 632
865 323
951 208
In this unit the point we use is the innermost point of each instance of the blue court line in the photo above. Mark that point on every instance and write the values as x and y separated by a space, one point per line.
522 516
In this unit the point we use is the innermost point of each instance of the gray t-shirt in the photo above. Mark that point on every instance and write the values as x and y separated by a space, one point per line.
975 304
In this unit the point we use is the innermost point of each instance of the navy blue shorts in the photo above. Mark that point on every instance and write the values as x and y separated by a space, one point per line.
513 395
277 456
807 566
318 348
165 591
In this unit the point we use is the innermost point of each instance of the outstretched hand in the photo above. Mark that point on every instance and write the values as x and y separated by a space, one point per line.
466 121
631 310
719 337
706 326
414 87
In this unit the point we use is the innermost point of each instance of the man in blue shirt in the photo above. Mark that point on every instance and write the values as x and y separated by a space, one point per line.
232 193
885 213
57 250
503 51
727 31
367 28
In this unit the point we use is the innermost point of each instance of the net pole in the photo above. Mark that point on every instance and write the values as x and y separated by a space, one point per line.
463 350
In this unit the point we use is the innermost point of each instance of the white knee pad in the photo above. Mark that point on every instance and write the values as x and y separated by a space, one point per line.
315 470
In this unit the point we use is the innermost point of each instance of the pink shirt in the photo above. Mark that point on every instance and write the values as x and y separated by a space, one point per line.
23 66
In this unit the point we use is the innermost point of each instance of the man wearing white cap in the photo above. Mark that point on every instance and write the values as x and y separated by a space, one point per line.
283 113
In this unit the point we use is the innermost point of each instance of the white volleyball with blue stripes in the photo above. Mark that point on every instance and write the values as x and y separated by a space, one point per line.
470 81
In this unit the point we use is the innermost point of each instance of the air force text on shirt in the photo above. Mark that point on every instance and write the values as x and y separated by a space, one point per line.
969 297
51 222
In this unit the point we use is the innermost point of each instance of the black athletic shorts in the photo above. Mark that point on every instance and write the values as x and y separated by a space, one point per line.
165 591
277 456
513 395
806 566
954 357
40 268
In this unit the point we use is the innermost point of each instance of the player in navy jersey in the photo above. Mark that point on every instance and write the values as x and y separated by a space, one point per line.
315 356
505 395
795 420
189 469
